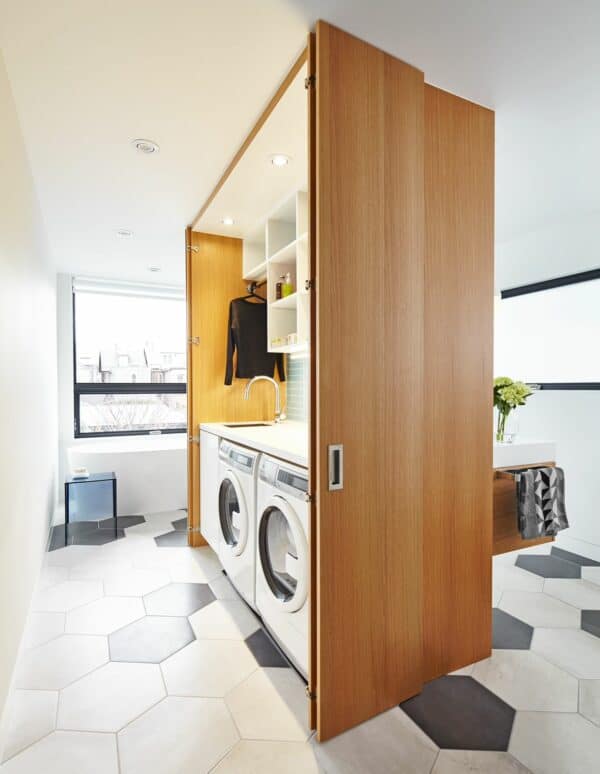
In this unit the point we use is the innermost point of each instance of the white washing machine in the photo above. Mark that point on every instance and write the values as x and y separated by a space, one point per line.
236 488
283 558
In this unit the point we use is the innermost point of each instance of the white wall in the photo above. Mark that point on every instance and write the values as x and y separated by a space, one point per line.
28 432
151 470
572 419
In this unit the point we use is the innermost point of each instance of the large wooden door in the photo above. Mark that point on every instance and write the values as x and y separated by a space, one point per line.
459 291
368 305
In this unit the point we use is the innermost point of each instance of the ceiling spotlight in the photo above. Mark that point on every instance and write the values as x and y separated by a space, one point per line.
153 268
280 160
124 233
227 221
145 146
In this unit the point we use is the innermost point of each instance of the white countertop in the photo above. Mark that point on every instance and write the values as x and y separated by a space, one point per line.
287 440
520 453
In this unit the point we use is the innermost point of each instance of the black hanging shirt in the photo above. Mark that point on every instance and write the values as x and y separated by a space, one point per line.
247 335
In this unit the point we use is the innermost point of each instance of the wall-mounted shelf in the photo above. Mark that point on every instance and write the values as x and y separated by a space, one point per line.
274 248
258 273
288 302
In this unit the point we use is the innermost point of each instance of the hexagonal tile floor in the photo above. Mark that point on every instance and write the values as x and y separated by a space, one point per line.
165 655
178 599
91 533
151 639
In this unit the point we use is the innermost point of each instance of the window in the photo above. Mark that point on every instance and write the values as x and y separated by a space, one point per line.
129 355
547 333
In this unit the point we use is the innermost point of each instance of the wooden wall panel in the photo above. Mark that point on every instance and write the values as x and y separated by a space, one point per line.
459 269
369 378
214 277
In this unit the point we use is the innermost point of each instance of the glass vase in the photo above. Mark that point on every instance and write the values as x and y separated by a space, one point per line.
507 427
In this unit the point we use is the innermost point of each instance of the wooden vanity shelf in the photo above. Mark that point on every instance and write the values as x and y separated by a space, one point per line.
506 531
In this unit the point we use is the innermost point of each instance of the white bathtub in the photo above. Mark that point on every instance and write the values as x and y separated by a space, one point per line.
151 470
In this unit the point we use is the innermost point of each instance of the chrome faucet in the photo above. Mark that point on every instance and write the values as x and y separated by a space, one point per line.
278 414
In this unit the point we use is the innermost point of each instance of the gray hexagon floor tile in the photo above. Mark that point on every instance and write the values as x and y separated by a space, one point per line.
151 639
172 539
180 525
590 622
266 653
509 632
458 713
178 599
549 566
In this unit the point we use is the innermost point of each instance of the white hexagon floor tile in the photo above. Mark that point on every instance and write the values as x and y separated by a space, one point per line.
253 757
579 593
225 619
187 735
589 700
50 575
477 762
135 582
98 569
71 555
270 704
109 698
510 578
554 743
67 596
105 615
64 752
387 744
31 715
591 574
208 668
538 609
61 661
43 627
527 682
573 650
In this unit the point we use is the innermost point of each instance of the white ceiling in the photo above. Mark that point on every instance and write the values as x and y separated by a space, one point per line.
193 75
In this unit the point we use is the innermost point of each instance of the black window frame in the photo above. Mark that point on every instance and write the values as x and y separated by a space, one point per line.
117 388
556 282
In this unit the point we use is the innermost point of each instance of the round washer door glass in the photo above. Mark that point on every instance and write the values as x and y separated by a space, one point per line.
232 514
283 551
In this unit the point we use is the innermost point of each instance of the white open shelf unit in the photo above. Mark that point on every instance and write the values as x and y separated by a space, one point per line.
277 246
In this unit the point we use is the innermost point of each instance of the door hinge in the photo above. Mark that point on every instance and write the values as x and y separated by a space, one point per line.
309 498
310 694
194 340
309 284
310 82
194 438
191 249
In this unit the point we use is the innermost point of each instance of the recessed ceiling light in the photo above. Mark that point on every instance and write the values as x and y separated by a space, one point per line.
280 160
124 233
145 146
227 221
153 268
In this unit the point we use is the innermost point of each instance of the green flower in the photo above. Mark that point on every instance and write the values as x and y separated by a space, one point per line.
508 395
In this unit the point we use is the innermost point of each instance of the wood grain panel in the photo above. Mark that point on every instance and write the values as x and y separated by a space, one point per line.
369 378
506 533
459 268
214 278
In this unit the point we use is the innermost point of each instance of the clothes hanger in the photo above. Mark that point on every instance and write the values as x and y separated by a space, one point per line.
252 287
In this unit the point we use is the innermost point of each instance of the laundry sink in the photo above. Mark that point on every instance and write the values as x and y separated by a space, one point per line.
247 424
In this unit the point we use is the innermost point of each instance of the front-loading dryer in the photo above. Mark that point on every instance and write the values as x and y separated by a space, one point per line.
236 508
283 556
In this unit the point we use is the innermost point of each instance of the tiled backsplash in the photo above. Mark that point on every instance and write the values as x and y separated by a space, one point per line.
297 388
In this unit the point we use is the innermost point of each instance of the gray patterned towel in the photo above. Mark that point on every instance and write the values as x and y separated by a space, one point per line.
541 502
